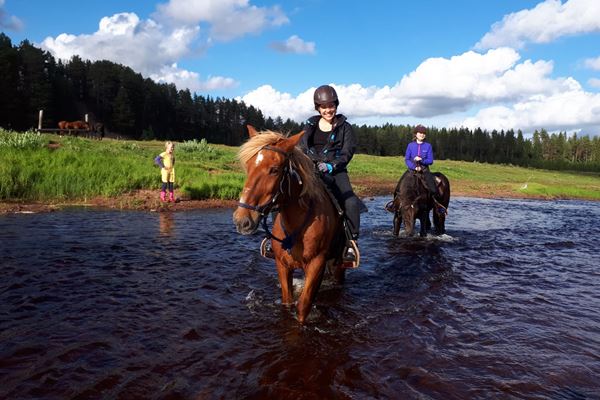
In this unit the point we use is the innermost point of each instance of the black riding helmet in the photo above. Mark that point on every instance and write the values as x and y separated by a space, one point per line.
325 94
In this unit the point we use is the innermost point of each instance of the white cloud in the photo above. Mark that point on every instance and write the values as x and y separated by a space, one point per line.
567 111
9 22
145 46
593 63
436 87
294 44
544 23
191 80
513 94
228 19
594 82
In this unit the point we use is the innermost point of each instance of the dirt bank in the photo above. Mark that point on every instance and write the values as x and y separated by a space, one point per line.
148 199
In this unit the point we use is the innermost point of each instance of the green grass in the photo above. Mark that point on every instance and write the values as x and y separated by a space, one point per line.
479 179
67 168
49 168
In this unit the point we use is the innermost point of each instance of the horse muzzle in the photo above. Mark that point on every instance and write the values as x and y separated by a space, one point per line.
246 221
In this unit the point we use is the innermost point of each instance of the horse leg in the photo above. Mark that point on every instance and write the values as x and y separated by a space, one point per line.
397 222
313 274
424 219
440 223
285 281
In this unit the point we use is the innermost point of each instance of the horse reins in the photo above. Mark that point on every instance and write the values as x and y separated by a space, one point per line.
287 243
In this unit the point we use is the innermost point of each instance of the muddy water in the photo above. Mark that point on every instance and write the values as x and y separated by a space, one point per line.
136 305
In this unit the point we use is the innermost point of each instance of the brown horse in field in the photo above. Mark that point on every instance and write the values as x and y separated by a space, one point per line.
307 232
76 126
80 125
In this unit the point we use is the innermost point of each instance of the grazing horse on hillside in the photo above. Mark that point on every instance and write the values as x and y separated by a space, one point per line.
412 201
307 232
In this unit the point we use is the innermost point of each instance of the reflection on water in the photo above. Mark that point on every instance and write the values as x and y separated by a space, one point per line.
103 304
166 223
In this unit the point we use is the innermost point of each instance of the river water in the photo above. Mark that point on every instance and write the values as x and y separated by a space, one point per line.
98 304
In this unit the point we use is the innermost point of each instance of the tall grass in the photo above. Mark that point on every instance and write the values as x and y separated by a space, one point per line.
53 168
42 167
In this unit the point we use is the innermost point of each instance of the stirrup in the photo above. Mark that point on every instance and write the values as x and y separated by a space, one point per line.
265 248
351 255
440 208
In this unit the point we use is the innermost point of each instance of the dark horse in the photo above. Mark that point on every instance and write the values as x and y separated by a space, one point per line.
307 231
413 201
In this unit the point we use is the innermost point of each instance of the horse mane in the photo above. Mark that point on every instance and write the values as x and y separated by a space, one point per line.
312 187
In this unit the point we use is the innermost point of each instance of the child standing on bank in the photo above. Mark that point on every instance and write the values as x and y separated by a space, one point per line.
166 162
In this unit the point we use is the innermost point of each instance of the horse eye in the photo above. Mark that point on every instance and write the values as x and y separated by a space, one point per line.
274 171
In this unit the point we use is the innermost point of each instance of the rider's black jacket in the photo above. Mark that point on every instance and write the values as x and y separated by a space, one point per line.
340 147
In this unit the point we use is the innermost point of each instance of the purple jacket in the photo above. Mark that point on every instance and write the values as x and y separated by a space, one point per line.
422 150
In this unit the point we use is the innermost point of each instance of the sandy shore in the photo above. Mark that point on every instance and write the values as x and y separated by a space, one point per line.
148 199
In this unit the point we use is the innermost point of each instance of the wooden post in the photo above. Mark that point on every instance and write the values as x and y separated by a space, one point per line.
40 117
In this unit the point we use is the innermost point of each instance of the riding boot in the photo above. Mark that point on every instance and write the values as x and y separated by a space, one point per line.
351 255
265 248
171 197
163 196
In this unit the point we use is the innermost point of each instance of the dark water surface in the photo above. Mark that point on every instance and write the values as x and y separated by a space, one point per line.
137 305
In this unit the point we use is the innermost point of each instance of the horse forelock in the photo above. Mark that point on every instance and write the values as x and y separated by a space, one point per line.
311 186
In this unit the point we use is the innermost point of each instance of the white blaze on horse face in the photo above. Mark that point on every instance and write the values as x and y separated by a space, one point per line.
243 197
259 157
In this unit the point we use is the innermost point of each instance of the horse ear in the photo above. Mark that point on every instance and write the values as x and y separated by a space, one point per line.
251 130
292 141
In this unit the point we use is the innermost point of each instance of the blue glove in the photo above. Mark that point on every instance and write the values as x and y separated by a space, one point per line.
324 167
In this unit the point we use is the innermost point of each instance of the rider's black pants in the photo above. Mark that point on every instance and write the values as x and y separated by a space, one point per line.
348 200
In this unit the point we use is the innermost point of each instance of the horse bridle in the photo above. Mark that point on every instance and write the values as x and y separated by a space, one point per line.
287 243
288 170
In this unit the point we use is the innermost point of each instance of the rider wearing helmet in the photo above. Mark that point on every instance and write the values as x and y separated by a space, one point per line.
418 157
330 142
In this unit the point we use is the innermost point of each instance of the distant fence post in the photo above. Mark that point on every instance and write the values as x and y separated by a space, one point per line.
40 117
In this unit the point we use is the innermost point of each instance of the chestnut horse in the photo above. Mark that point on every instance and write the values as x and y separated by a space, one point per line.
413 201
75 125
307 232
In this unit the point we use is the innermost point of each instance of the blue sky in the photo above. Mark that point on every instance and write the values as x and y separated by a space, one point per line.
497 64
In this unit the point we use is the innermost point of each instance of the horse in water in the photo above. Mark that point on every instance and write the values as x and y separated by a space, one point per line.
412 201
307 232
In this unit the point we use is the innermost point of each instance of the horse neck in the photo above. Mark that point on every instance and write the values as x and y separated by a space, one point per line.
294 208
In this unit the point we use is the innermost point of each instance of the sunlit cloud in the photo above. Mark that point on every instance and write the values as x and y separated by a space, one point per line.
9 22
594 82
295 45
191 80
227 19
544 23
146 46
593 63
510 93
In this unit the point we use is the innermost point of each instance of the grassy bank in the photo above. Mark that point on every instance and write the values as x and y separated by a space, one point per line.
49 168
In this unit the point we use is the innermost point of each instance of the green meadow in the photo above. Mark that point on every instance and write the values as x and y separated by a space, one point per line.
50 168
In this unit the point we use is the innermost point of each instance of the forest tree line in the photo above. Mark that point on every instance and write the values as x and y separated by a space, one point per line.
135 107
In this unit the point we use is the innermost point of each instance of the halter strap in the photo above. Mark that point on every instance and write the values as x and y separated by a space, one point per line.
265 208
